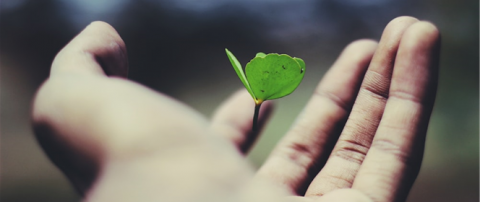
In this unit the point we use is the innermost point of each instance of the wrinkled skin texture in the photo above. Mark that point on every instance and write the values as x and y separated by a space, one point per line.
360 138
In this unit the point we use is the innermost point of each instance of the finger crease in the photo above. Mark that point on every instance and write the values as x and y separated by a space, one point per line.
387 146
349 180
300 154
376 84
405 96
351 150
374 93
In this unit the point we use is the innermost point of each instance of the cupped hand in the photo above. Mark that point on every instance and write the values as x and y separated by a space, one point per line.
359 138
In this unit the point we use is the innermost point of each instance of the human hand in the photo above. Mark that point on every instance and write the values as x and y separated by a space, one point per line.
117 140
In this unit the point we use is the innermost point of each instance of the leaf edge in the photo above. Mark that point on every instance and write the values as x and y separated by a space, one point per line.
240 72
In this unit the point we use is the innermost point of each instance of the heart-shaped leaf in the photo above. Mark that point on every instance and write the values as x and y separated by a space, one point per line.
274 76
270 76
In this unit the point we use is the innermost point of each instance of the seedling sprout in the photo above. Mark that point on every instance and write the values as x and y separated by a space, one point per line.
269 76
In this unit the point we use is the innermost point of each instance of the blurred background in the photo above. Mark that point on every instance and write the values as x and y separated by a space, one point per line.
177 47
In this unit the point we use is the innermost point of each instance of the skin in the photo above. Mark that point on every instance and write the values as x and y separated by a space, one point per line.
360 138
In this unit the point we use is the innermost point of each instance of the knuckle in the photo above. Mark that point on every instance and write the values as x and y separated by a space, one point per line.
376 85
351 150
301 154
403 95
391 148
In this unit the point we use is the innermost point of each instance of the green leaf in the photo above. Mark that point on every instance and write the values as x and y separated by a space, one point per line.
238 68
260 54
274 76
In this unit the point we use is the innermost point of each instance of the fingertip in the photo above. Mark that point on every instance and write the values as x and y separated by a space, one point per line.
103 28
393 32
98 49
422 38
362 43
100 25
423 33
399 23
360 49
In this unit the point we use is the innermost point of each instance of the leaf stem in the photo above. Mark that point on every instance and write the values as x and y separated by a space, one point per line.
255 116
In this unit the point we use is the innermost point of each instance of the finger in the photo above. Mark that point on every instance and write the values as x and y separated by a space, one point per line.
233 120
97 50
355 139
395 156
304 149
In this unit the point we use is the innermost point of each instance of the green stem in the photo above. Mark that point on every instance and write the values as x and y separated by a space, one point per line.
255 117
